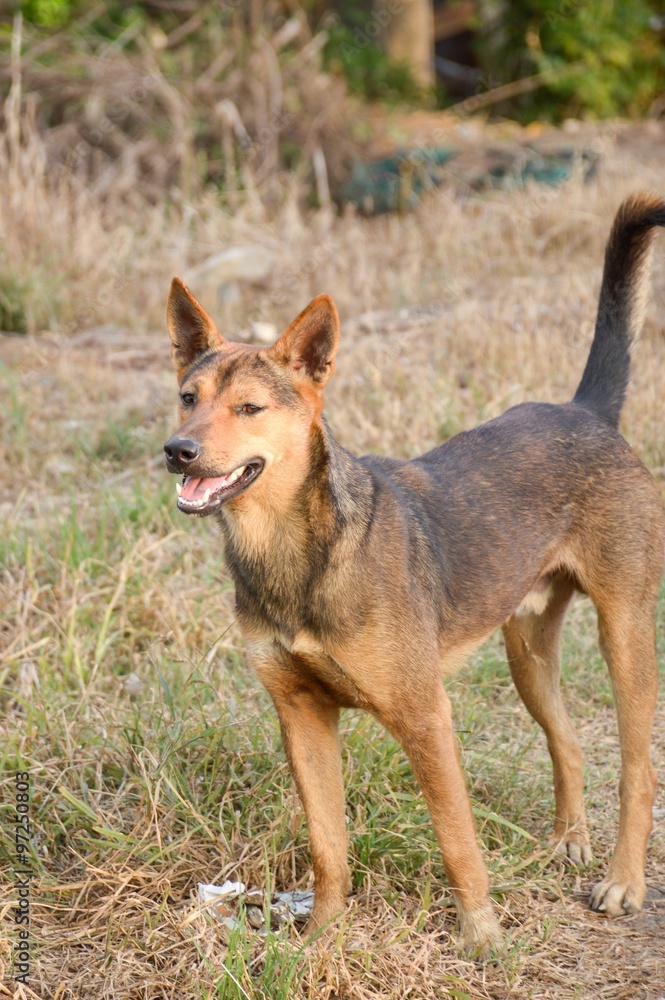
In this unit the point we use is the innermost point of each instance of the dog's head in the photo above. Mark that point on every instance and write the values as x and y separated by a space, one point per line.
246 412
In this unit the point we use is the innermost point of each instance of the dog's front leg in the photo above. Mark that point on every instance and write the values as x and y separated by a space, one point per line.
309 727
426 732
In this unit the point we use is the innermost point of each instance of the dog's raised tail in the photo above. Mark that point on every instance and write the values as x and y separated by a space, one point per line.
623 296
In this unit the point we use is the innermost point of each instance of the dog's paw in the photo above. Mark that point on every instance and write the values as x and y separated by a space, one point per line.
616 897
575 846
314 932
480 932
322 924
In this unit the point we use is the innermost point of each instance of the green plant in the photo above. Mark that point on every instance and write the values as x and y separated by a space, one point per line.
602 58
26 298
49 13
13 316
352 50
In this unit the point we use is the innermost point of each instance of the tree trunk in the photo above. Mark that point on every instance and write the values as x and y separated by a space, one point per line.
410 36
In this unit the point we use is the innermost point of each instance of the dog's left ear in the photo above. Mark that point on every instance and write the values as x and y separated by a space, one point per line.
310 343
191 330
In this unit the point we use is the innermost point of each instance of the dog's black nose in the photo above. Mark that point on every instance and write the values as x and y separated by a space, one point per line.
181 452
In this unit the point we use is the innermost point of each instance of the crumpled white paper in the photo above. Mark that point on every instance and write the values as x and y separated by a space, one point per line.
222 902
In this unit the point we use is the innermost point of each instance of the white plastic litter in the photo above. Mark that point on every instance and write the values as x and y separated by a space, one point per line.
222 903
295 905
227 891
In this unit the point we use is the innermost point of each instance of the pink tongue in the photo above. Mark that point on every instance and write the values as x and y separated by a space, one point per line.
194 489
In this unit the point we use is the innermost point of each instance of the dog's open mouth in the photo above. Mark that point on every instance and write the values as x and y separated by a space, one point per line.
202 496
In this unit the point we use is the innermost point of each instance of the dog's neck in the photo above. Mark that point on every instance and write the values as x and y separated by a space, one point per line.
277 554
330 494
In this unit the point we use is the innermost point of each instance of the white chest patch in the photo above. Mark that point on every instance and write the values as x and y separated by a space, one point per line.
302 643
535 601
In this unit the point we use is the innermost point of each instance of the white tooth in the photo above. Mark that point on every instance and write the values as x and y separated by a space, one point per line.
178 488
240 471
231 479
206 496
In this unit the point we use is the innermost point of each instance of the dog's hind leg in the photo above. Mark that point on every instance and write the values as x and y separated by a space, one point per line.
532 644
627 641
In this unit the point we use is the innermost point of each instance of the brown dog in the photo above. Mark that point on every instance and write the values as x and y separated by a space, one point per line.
364 581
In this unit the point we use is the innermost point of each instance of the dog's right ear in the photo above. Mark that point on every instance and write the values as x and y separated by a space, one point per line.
191 330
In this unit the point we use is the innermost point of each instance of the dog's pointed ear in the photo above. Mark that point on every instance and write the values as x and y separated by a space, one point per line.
309 345
191 330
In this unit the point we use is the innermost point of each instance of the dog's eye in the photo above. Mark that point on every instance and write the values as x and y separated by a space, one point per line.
250 408
188 399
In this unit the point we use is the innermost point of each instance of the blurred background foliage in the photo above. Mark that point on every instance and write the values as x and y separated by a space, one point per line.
109 109
368 71
607 57
603 58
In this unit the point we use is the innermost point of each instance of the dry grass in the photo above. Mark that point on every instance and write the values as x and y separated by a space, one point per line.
449 316
106 142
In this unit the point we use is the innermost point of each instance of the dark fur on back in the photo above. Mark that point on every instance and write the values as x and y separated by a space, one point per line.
625 277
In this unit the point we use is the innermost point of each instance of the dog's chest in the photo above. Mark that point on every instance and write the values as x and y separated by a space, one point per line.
305 655
314 659
304 643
